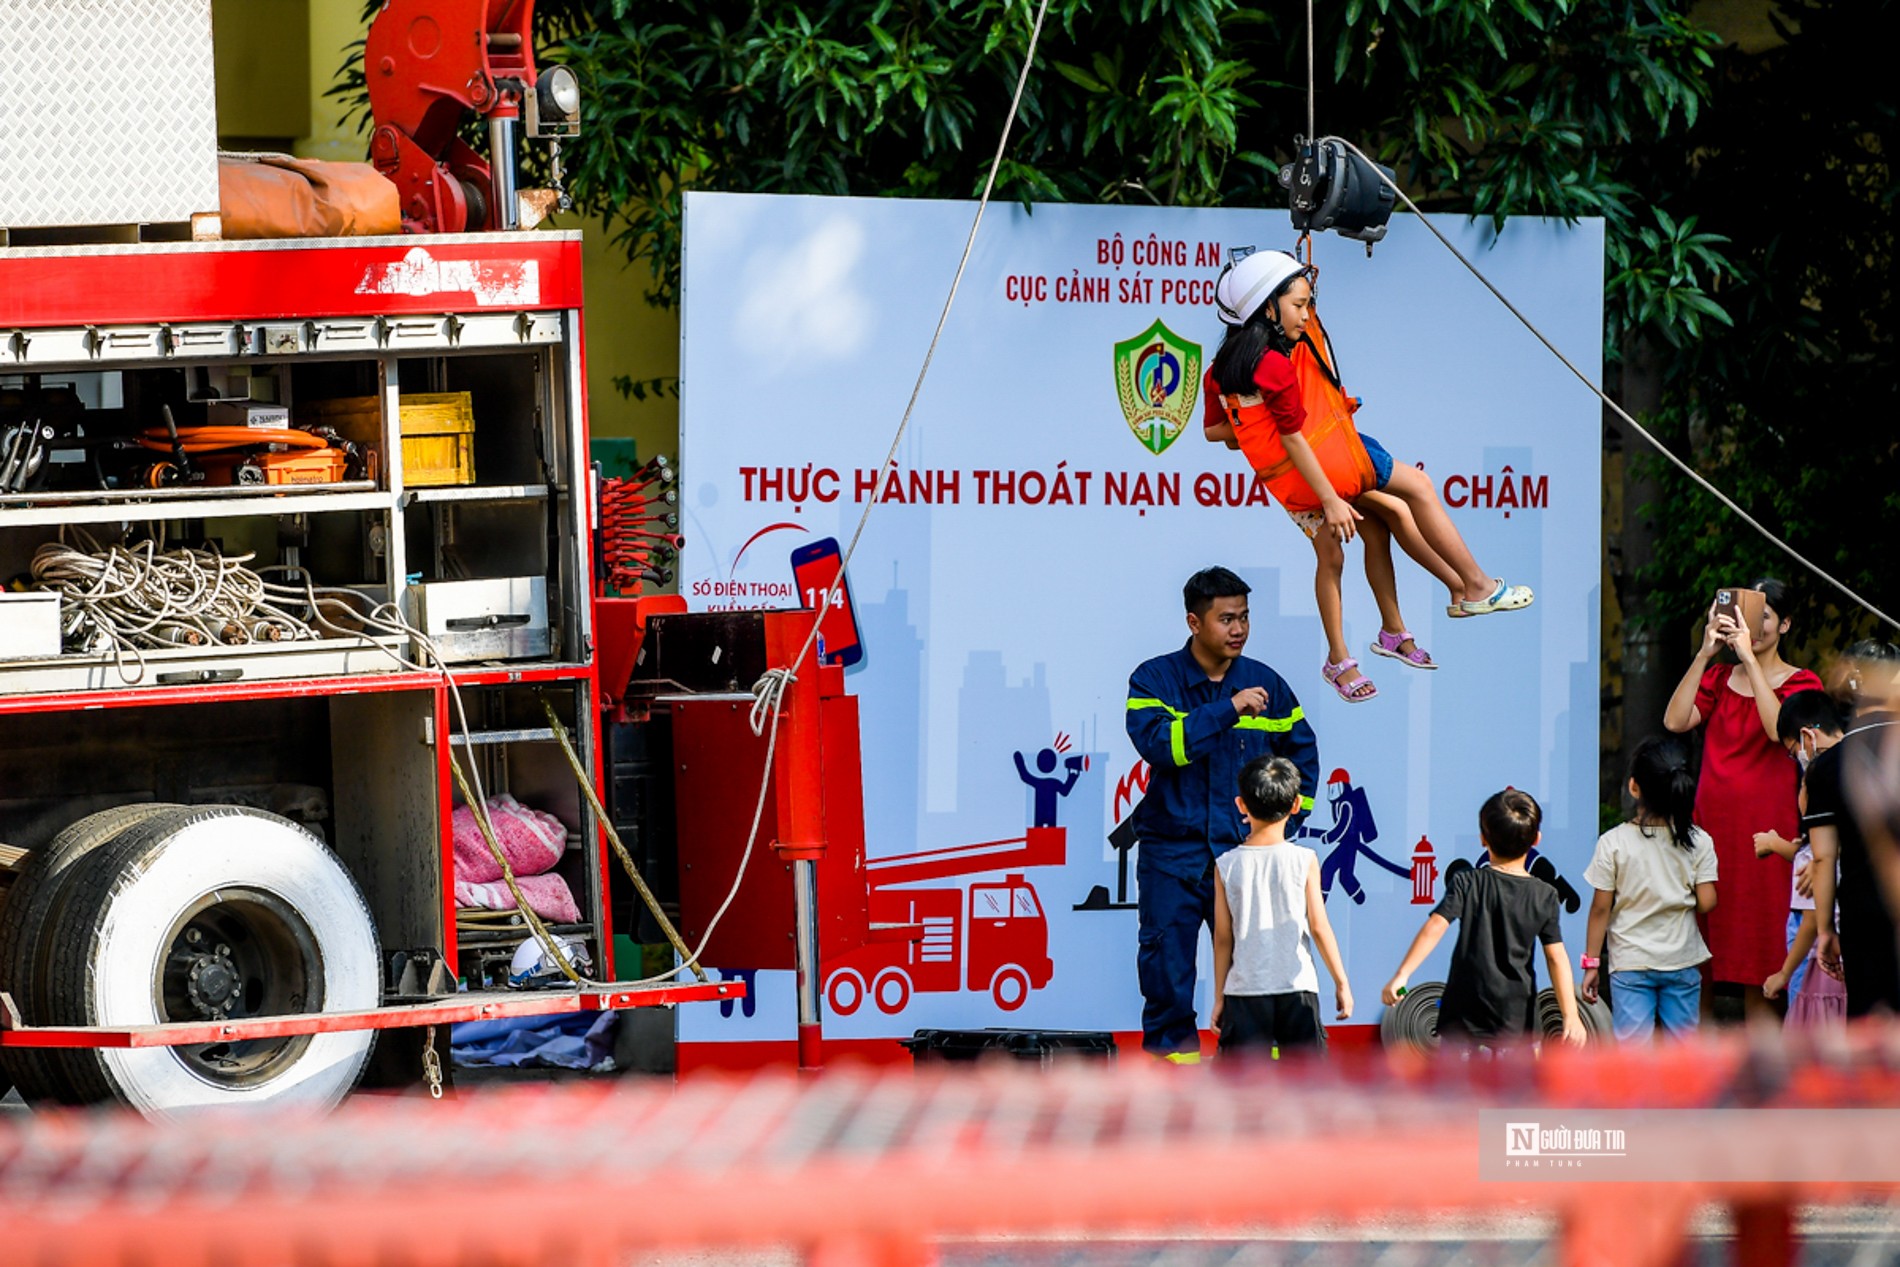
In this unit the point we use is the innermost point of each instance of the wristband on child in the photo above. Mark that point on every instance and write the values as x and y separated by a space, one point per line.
1589 962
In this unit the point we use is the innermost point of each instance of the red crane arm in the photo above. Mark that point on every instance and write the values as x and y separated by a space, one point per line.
429 63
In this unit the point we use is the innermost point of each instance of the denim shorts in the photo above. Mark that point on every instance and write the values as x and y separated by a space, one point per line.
1643 998
1381 460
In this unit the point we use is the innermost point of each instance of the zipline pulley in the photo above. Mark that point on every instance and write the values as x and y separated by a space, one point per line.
1333 187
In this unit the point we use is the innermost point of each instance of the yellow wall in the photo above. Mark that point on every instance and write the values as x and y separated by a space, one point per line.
625 335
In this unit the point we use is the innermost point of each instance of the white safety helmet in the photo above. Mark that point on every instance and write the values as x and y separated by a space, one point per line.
534 966
1250 281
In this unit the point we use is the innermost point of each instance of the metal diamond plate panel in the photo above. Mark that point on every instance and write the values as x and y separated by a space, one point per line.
108 112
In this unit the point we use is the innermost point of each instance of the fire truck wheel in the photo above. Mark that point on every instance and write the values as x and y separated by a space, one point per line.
845 991
209 914
1010 987
891 990
31 907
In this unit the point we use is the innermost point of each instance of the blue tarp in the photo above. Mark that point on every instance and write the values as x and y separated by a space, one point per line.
578 1040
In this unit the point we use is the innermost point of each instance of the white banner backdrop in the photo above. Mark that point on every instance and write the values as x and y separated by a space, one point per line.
1030 551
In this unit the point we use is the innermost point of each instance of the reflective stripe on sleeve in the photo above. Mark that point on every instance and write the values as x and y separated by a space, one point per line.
1177 741
1306 803
1278 725
1139 702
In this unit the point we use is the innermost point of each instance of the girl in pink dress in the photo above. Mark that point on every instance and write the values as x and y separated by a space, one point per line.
1748 785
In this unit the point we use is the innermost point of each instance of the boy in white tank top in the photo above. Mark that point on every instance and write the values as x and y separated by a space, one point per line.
1269 918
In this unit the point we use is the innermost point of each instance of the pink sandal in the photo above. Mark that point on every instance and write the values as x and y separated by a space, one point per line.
1354 693
1388 645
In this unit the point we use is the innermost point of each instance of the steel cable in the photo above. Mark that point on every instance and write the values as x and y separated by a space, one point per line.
1621 413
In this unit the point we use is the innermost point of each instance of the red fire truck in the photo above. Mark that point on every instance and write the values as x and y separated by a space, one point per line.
230 857
923 940
304 556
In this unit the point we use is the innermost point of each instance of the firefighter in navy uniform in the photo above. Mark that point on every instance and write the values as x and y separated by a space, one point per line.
1196 716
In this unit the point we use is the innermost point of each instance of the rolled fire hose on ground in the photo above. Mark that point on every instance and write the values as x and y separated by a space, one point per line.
1597 1026
1413 1021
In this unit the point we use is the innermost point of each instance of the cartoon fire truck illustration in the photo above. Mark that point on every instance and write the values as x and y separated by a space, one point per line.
992 937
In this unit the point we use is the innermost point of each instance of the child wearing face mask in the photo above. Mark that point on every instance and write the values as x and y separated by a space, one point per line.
1809 724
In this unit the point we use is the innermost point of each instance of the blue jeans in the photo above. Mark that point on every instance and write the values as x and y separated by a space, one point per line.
1641 998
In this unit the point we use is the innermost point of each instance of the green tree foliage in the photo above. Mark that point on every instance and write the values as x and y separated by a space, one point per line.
1790 407
1492 108
1749 199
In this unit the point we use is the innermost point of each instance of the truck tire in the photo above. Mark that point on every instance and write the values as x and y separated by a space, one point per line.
31 907
204 914
845 991
1009 988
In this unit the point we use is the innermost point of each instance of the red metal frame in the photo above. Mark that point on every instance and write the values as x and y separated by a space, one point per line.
868 1168
275 281
445 829
474 1006
281 688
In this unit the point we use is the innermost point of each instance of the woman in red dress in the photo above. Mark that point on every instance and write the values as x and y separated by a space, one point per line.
1748 784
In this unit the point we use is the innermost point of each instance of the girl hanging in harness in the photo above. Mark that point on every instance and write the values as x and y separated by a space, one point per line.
1273 392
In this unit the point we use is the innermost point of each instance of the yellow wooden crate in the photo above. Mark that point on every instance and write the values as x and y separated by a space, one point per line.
446 457
438 440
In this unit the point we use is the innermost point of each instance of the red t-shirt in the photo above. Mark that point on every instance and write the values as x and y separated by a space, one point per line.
1278 389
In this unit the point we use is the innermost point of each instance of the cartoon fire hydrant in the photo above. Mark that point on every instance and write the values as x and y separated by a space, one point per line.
1424 873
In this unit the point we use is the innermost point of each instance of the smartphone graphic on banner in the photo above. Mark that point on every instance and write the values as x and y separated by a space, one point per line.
815 568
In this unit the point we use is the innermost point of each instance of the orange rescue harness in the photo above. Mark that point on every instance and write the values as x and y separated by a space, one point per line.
1329 430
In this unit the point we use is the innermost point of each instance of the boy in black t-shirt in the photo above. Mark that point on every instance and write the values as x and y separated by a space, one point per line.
1501 911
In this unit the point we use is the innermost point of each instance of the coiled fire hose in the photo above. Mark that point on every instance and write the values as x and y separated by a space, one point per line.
1597 1024
1413 1020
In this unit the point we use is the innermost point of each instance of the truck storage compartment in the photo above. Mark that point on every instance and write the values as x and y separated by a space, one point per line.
238 597
437 432
83 434
504 438
58 767
514 760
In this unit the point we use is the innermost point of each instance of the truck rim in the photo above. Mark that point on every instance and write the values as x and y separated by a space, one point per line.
238 954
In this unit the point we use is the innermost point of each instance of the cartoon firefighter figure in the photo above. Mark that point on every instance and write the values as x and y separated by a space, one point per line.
1350 835
1047 787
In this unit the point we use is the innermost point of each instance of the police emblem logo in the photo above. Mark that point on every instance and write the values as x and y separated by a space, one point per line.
1158 379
